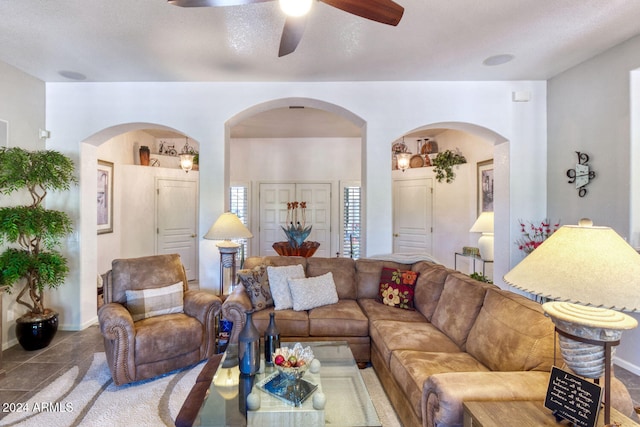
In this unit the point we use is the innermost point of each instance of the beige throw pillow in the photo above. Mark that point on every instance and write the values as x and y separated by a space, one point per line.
313 292
278 277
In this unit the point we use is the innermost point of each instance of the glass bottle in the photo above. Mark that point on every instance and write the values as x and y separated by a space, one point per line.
271 339
249 347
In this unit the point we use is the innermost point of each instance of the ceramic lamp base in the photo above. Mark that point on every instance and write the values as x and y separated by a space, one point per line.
485 244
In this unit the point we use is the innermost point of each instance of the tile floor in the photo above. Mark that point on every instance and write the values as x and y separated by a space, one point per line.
29 371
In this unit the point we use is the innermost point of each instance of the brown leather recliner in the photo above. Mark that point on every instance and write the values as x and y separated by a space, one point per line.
158 344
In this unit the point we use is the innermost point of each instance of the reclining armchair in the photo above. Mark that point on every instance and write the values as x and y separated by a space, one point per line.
151 323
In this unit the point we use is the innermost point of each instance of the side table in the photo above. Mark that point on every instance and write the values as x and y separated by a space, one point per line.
525 413
474 257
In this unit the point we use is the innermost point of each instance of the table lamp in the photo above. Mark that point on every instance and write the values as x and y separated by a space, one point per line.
484 225
590 273
228 227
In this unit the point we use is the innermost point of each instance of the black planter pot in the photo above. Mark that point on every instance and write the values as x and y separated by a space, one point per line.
34 333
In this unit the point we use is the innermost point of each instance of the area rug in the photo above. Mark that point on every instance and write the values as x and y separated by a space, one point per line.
86 396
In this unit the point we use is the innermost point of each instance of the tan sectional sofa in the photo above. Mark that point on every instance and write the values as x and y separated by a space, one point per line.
465 340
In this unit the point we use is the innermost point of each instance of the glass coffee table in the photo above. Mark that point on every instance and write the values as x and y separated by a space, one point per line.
347 400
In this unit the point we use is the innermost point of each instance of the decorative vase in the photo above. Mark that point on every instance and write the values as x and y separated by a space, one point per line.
271 339
307 249
36 333
249 347
144 155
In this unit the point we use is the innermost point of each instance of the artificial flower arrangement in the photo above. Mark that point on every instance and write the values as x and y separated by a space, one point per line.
296 230
533 235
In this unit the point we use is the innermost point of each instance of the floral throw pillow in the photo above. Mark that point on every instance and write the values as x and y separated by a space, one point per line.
256 283
397 288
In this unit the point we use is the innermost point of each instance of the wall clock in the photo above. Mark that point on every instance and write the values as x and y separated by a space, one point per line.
581 175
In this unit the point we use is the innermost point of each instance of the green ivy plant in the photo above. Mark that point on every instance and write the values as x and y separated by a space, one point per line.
479 277
31 261
443 164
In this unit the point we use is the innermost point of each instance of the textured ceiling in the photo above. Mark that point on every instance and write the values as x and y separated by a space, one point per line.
152 40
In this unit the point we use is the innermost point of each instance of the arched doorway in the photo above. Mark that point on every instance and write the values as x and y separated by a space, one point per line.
455 205
140 196
295 146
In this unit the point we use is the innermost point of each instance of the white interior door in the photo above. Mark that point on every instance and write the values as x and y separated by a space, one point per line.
318 198
177 221
412 215
273 213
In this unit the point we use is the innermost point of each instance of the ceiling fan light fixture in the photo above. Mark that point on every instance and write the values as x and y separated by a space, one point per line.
295 7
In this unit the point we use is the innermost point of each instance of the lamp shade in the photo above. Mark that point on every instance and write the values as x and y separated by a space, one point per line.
584 265
227 227
484 223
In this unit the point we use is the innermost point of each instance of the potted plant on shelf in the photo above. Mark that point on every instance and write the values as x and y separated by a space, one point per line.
31 263
444 162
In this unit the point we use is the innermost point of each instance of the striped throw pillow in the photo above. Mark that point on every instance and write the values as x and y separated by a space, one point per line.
155 302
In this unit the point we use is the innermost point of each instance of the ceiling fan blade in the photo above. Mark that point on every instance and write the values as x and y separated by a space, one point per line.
213 3
383 11
292 34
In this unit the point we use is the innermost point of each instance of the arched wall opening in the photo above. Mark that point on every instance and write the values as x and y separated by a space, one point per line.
308 157
498 152
98 250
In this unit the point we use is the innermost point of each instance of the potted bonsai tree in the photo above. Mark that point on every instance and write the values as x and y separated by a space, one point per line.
30 262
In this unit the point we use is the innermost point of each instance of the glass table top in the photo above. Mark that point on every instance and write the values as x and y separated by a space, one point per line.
347 400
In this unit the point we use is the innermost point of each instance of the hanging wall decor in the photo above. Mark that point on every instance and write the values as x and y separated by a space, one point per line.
581 175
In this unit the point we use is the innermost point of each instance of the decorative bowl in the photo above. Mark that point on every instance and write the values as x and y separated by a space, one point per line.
294 362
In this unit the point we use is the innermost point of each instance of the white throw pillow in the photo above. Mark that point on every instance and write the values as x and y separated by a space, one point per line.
154 302
278 277
313 292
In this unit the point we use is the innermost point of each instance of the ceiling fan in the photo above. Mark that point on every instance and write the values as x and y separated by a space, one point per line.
383 11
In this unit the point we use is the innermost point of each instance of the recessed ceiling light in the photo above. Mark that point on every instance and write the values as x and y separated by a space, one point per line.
72 75
498 59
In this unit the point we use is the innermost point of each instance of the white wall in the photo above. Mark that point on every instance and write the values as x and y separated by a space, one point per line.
120 151
92 112
22 106
589 110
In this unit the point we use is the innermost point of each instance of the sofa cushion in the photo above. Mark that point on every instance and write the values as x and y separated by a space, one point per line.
152 302
279 284
344 274
397 287
343 319
511 321
256 283
290 323
412 368
459 304
152 344
313 292
391 335
376 311
429 286
368 275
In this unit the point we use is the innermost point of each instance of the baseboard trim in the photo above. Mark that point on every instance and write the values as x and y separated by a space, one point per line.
635 369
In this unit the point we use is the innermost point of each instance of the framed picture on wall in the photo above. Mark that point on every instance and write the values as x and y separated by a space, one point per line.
485 186
105 197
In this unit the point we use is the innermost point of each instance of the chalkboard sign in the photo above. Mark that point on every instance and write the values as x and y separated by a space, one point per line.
573 398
